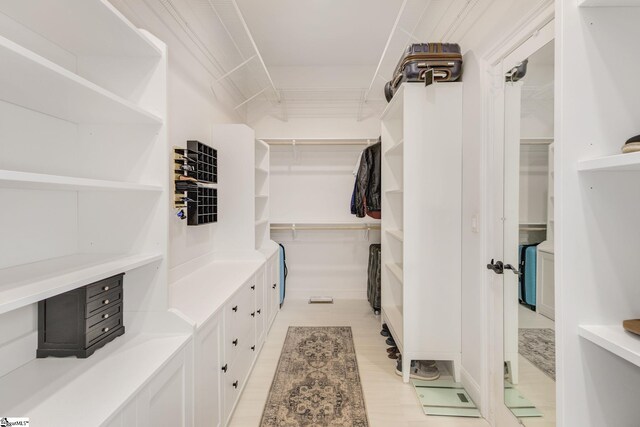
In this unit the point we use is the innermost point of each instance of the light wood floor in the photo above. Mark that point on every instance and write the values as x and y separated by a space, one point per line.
534 384
390 402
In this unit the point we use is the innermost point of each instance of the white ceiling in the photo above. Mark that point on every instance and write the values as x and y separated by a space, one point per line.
320 32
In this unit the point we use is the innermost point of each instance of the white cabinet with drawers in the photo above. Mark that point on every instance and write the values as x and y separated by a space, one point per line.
231 304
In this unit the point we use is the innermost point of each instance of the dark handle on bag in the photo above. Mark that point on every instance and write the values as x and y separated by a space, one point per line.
253 288
235 342
224 368
253 314
235 384
235 308
253 347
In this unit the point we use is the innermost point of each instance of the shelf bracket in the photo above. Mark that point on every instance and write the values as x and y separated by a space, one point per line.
228 73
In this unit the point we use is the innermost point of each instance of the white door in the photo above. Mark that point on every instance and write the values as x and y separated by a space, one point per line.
504 241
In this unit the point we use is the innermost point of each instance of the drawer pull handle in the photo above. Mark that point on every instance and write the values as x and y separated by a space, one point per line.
274 286
235 342
253 314
105 288
105 301
235 384
259 311
253 288
105 329
105 316
235 308
253 347
224 368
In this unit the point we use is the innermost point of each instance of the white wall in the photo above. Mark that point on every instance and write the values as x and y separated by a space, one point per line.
192 110
315 185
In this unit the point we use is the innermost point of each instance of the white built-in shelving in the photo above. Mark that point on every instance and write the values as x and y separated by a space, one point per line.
35 83
85 164
609 3
396 234
25 284
614 339
395 149
614 163
48 389
597 209
421 224
262 232
37 181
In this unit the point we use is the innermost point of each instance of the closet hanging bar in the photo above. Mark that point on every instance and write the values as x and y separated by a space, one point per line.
533 227
294 228
320 141
327 226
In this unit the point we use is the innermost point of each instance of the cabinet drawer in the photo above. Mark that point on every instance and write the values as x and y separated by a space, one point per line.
96 289
103 301
103 329
111 311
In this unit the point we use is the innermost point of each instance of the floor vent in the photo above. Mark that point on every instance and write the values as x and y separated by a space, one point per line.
321 300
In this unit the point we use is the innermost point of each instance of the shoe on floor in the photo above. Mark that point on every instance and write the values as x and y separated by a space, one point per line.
385 333
393 355
420 370
390 341
392 350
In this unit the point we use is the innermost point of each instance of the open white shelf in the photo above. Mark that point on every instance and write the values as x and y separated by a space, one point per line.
101 31
38 181
49 390
29 283
615 339
396 149
261 222
394 318
35 83
608 3
394 191
396 234
262 196
617 162
263 171
396 269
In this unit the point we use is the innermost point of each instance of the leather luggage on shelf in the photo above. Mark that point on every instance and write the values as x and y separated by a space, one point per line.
444 58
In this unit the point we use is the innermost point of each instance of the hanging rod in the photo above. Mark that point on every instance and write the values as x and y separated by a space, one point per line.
536 141
533 227
326 226
320 141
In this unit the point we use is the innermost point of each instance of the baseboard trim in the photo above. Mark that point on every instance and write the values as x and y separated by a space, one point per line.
337 294
471 386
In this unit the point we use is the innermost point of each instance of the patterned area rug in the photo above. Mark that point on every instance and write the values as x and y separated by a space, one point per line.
317 382
538 346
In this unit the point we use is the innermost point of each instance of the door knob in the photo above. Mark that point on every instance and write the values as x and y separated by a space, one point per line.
497 267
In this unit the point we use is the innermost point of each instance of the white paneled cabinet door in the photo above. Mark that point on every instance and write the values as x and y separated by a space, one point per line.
209 371
168 398
273 289
260 309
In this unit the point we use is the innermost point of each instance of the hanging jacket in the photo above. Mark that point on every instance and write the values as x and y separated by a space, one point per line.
368 181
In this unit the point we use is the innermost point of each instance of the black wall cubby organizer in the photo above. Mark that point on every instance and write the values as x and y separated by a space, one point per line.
196 166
